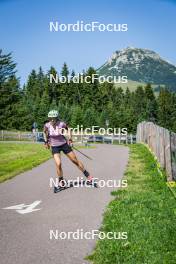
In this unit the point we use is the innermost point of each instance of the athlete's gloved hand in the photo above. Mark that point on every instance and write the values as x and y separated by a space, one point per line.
47 145
70 142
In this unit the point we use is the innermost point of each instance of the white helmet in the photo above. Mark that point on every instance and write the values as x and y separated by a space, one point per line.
53 113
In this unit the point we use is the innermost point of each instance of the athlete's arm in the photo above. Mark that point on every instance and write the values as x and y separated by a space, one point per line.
69 134
46 137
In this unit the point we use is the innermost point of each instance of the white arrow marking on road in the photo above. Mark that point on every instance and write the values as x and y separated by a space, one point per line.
24 209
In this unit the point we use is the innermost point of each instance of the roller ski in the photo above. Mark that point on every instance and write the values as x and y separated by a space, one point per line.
63 186
90 181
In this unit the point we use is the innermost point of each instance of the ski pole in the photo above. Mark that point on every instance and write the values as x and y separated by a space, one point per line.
82 153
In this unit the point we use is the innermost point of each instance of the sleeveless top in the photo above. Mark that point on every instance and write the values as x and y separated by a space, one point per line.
55 134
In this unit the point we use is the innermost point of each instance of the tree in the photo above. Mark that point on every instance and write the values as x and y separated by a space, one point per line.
64 112
41 79
10 92
53 89
65 91
85 104
139 104
43 110
7 67
90 91
165 108
32 85
90 117
151 104
76 116
10 96
102 117
65 71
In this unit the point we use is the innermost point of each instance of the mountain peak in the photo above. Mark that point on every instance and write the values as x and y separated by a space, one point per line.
131 54
141 65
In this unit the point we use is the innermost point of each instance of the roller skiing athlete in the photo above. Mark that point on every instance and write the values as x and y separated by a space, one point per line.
55 139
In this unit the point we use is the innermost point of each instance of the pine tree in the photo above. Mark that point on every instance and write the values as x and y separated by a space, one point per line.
76 116
65 71
151 104
102 117
32 86
7 67
139 104
165 108
53 105
10 96
53 89
40 82
43 110
10 92
64 112
90 117
65 87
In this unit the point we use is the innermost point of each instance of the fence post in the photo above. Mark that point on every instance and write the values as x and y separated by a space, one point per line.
126 138
119 138
2 134
162 142
131 137
19 135
173 154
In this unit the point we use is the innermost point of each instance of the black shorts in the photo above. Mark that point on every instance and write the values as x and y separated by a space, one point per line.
57 149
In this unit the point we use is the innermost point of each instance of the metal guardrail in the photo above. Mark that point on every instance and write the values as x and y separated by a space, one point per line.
13 135
37 136
121 139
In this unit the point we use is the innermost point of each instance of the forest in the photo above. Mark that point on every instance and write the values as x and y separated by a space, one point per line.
86 104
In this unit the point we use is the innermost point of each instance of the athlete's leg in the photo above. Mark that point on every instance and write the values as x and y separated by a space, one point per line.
57 159
71 155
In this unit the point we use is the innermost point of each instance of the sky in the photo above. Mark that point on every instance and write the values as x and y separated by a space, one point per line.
24 31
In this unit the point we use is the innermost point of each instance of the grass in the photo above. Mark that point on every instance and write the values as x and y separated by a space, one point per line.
132 85
18 157
146 211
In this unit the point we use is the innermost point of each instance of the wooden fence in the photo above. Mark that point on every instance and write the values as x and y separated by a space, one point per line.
16 135
162 142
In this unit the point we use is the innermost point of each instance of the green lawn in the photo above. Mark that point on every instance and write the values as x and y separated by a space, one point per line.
18 157
146 211
132 85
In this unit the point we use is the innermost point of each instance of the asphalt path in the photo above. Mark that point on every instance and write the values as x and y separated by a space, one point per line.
25 232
